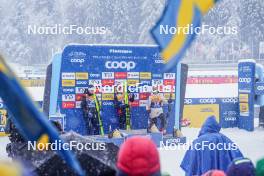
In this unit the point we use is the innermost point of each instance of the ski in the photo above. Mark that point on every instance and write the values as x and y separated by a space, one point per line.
128 124
98 108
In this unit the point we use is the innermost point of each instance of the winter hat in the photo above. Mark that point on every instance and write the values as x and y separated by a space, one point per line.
138 156
214 173
241 167
260 168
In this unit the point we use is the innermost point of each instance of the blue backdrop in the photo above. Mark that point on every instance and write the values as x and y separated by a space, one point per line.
82 65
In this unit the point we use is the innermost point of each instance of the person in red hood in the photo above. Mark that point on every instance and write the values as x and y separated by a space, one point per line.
138 156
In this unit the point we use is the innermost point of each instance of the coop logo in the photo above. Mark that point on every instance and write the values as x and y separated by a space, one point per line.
68 90
122 64
230 100
160 61
207 100
93 75
244 80
108 103
260 88
81 82
77 60
188 101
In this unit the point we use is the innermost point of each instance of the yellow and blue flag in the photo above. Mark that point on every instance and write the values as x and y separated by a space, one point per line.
31 123
177 16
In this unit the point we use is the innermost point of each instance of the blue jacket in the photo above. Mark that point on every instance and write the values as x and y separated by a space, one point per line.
198 160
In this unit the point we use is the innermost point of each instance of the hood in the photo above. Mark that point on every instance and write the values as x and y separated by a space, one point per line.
210 126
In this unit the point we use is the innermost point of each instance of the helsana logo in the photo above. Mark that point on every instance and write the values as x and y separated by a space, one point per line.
122 65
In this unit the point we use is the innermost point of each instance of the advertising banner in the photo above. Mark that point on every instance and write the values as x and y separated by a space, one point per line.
107 66
246 89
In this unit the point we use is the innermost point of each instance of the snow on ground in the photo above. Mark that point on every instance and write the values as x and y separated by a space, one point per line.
250 143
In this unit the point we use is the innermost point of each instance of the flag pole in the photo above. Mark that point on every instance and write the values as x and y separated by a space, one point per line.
177 126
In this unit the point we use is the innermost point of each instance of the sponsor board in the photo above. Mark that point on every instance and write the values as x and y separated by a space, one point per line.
167 96
108 75
169 82
80 90
107 97
144 96
132 75
108 82
143 103
68 75
120 75
68 105
145 75
81 75
68 97
197 114
81 82
134 103
68 83
132 82
243 98
169 75
68 90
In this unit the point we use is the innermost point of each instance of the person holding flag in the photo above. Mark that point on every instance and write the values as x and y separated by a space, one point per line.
92 112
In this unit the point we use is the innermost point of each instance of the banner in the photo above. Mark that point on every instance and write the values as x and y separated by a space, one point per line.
246 89
106 66
225 109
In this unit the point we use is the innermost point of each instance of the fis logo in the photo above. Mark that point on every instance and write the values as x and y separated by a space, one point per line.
120 65
68 97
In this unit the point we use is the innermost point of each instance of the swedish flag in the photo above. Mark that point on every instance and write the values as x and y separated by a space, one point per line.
177 16
33 125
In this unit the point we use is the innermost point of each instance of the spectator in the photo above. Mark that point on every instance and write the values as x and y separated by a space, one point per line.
260 168
138 156
241 167
214 173
211 150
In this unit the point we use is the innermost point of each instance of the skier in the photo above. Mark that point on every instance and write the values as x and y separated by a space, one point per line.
155 109
121 104
91 112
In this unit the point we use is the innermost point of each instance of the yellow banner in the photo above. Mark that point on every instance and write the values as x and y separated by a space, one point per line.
243 98
145 75
81 75
197 114
168 95
68 83
107 96
132 82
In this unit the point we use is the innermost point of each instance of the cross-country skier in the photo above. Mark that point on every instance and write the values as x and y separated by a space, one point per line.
121 103
155 109
91 112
